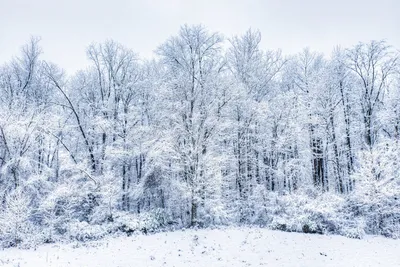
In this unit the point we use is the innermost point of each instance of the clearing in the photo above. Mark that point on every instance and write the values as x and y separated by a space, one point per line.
213 247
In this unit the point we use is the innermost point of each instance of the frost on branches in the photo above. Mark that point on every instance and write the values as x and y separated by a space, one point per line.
213 131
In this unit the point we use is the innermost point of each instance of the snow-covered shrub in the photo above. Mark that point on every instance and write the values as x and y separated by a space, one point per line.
153 220
108 199
14 219
259 214
83 231
143 222
352 227
126 222
300 213
377 195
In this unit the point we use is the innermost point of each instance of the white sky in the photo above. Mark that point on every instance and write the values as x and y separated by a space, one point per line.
68 27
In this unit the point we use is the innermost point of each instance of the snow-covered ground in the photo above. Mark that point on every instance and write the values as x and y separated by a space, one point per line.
220 247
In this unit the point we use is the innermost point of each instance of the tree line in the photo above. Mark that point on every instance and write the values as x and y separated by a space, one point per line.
208 132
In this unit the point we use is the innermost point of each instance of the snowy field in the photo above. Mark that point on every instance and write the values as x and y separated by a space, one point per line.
227 247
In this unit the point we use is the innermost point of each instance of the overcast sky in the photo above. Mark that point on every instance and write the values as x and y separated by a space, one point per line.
68 27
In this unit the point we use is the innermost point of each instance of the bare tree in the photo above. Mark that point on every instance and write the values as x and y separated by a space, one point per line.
193 63
374 63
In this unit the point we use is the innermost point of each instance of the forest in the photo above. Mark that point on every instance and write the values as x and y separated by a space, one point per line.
212 131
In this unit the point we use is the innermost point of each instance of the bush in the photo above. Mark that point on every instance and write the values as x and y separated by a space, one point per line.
14 221
83 231
322 215
144 222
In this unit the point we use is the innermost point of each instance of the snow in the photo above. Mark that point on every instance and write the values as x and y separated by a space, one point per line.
213 247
